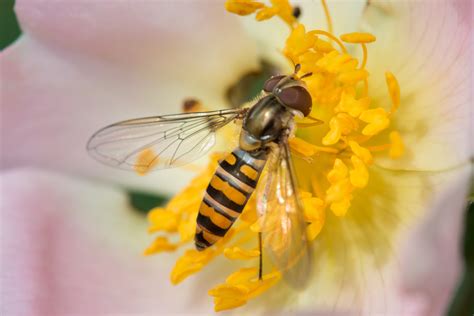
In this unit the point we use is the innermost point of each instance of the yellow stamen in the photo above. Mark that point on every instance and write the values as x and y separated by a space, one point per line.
377 121
397 148
331 36
393 90
266 13
364 56
241 276
328 16
323 46
353 77
221 304
191 262
358 38
159 245
359 175
313 209
338 191
338 172
243 7
299 41
239 253
340 208
352 105
361 152
334 133
162 220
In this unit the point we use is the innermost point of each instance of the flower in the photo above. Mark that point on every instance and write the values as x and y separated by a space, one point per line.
71 219
357 133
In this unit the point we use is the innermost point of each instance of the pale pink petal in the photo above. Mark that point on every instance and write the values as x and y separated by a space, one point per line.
431 256
82 65
428 46
75 247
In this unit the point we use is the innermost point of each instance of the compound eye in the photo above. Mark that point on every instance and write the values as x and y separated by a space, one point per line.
298 98
272 82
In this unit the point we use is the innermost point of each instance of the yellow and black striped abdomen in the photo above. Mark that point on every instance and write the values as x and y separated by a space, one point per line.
227 194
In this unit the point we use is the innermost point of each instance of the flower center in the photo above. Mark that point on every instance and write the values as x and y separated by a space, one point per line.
332 160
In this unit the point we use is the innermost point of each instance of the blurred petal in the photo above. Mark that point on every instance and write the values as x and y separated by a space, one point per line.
83 65
74 247
271 35
431 256
428 46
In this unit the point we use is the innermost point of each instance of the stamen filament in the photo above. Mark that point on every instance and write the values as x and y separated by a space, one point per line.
328 16
331 36
364 57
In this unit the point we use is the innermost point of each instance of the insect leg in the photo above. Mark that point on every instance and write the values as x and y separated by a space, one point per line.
315 120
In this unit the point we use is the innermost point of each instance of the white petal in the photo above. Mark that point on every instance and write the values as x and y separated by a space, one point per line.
428 46
74 247
83 65
271 34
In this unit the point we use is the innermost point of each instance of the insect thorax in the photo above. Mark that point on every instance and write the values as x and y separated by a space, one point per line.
264 123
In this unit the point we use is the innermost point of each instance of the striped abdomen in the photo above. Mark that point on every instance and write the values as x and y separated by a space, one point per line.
227 194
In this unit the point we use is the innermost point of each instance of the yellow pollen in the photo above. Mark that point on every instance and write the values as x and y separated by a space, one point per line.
359 175
352 105
338 172
377 121
299 41
361 152
334 133
353 77
323 46
358 38
243 7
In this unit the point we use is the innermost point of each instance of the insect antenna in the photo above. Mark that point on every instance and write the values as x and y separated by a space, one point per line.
308 74
297 68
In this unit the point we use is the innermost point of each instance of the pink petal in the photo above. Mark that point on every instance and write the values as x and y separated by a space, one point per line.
83 65
428 46
74 247
431 256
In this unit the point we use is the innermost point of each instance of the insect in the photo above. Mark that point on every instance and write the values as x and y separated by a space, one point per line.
174 140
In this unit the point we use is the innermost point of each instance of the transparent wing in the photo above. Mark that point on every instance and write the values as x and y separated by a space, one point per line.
158 142
282 219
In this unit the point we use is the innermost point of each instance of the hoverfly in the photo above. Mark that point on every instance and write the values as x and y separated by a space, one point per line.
266 127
